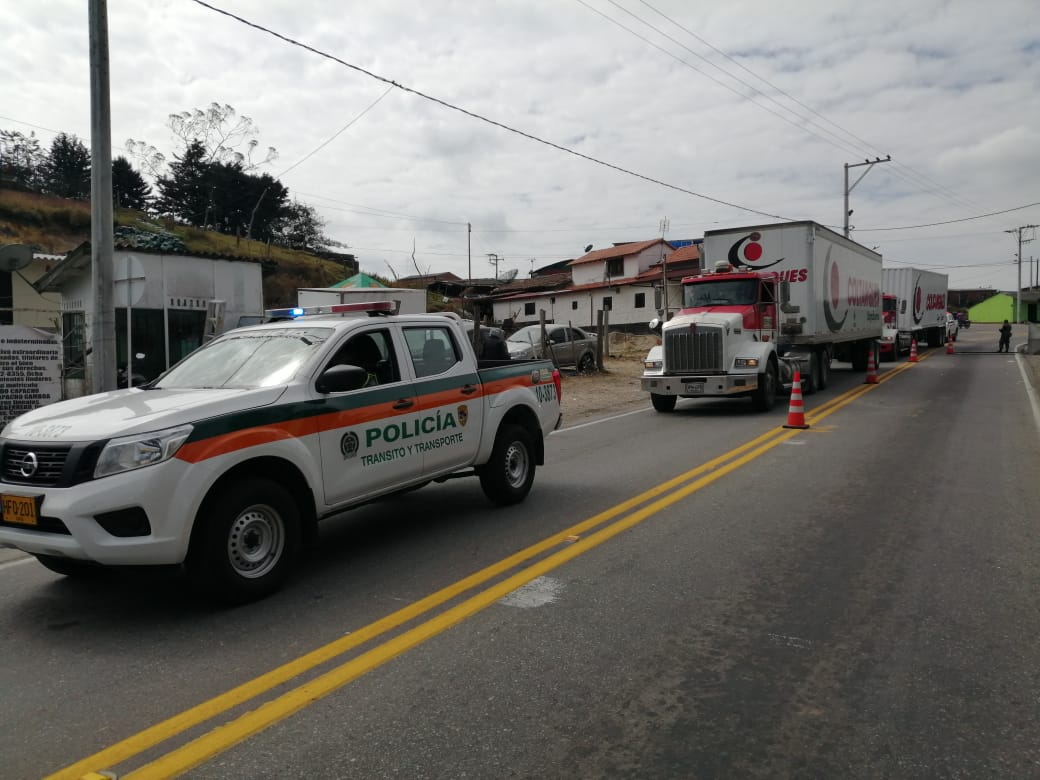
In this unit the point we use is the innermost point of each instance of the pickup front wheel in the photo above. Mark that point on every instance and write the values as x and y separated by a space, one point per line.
507 477
246 540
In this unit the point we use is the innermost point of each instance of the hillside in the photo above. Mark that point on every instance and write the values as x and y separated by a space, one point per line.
57 225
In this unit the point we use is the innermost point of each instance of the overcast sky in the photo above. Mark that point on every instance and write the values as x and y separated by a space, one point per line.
755 104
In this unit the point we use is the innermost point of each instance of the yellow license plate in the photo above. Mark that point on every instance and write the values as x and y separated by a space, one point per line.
19 509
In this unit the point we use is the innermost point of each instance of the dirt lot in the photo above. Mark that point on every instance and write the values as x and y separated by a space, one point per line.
612 390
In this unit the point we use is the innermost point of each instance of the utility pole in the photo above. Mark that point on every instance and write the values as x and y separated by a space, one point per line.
664 271
1018 290
493 260
870 164
103 328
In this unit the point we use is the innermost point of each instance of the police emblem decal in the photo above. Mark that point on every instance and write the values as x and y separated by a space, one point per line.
348 444
463 415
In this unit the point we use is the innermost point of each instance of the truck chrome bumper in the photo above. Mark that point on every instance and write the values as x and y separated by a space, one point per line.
694 386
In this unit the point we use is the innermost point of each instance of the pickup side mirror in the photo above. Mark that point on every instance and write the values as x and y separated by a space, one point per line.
338 379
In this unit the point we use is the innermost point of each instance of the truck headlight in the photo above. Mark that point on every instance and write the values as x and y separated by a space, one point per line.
653 365
134 452
746 363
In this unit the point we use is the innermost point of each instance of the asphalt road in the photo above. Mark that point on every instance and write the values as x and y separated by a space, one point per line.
702 594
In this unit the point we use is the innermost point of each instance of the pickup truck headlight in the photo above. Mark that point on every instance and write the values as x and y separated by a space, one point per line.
653 365
745 363
134 452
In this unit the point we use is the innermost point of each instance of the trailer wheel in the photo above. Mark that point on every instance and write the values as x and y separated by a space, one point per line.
247 541
508 475
663 403
825 369
764 396
811 382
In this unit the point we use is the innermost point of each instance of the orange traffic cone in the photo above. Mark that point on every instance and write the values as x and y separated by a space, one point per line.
949 346
871 369
796 411
913 350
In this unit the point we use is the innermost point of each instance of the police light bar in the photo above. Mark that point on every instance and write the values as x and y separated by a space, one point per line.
363 307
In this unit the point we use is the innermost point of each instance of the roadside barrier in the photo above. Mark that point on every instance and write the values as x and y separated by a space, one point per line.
796 411
913 350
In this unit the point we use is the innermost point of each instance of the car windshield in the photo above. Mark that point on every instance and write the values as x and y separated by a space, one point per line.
736 292
244 359
532 334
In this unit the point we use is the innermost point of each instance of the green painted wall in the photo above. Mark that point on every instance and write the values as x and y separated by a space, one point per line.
996 309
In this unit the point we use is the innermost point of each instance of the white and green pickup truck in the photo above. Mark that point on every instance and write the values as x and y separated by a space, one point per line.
227 462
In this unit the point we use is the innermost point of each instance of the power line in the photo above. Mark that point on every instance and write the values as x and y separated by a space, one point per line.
948 221
955 196
485 119
335 135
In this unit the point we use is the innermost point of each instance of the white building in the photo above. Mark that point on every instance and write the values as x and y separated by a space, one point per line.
625 279
165 304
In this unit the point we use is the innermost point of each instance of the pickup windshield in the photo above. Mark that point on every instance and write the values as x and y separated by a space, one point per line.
249 358
736 292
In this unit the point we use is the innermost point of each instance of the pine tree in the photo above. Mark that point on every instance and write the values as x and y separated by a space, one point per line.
66 168
129 189
188 192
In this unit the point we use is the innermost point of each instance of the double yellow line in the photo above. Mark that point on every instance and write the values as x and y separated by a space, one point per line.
543 557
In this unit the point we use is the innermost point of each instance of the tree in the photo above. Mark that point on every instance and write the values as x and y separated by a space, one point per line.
300 227
187 192
66 168
244 204
20 158
129 189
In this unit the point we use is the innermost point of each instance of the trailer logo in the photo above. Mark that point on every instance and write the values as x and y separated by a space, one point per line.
832 298
923 303
747 252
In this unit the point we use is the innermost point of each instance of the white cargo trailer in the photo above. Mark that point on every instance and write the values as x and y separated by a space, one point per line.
784 297
920 303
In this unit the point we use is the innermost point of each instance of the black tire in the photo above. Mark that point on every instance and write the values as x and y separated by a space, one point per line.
246 541
764 396
70 567
825 369
507 477
586 363
810 383
859 356
663 403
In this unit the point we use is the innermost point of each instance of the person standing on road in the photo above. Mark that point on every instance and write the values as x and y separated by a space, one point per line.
1005 337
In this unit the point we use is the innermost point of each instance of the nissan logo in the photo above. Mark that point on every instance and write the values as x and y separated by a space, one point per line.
28 465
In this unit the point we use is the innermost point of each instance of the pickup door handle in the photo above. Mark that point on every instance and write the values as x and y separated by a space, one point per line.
404 403
469 389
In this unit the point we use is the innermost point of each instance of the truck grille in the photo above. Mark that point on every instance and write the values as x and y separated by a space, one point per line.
693 349
46 464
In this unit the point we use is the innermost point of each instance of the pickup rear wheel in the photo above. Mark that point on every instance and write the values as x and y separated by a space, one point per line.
663 403
247 539
507 477
587 364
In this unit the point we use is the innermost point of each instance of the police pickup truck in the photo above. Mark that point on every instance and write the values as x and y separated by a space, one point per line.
227 461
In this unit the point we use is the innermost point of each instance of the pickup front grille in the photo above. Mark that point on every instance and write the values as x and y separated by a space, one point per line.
688 350
34 464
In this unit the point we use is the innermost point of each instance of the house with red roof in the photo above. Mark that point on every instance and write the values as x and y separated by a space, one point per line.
634 281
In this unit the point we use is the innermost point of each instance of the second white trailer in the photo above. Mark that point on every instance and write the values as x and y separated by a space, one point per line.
921 299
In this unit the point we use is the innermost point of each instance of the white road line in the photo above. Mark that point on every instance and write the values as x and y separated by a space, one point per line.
16 562
602 420
1033 399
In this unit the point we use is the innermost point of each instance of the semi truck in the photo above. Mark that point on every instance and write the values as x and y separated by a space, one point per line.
779 298
920 304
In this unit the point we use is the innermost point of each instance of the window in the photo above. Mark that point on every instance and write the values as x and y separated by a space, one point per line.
615 267
146 339
432 350
574 305
640 300
373 351
73 344
186 327
6 299
529 308
607 302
